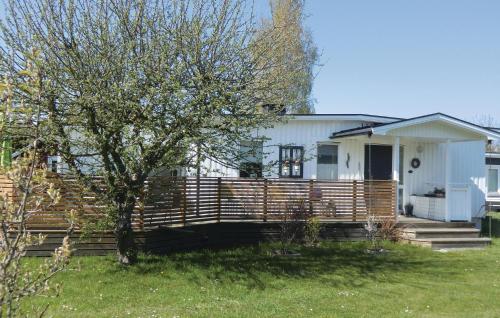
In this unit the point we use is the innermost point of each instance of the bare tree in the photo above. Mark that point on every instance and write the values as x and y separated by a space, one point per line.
136 84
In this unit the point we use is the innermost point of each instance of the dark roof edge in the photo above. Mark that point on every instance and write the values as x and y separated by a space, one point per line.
367 115
351 132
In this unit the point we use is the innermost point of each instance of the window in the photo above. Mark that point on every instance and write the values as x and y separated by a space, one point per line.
291 162
327 162
53 166
251 159
492 180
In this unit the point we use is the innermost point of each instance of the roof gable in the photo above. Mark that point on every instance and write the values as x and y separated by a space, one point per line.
440 124
435 129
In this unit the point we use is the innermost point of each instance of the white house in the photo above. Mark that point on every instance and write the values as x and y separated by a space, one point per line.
437 160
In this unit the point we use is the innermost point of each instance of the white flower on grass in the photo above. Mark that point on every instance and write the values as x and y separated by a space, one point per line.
346 293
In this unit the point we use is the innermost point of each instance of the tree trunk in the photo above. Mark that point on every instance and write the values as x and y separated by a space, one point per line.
125 239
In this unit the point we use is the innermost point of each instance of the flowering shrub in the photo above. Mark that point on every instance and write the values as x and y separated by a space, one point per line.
32 193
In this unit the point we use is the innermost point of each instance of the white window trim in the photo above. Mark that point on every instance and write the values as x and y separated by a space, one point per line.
328 143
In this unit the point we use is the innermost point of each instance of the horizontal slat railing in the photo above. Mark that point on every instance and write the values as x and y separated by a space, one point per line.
177 201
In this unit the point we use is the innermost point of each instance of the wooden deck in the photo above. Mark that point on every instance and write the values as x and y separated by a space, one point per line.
218 235
180 201
190 237
184 212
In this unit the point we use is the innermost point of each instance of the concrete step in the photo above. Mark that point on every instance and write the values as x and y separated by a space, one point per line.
452 243
423 233
430 225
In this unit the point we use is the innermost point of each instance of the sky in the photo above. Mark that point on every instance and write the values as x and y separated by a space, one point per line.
407 58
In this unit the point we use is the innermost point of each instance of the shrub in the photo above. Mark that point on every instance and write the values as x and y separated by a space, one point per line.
384 229
20 109
292 222
371 228
388 230
312 231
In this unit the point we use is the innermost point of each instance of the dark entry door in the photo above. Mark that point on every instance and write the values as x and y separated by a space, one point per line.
378 162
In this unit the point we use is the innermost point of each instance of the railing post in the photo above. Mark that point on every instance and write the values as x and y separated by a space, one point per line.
264 212
355 199
395 193
219 189
311 189
184 201
198 186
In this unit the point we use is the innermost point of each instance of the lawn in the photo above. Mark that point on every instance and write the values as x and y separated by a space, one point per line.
334 280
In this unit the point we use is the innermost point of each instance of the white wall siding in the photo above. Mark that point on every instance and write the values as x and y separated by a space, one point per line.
308 134
301 133
212 168
431 172
433 130
468 167
356 151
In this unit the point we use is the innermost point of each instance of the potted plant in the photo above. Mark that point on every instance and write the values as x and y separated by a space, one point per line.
408 209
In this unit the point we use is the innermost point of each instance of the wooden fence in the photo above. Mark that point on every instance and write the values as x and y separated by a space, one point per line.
178 201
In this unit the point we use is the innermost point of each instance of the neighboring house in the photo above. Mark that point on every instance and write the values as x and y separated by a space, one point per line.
493 177
437 160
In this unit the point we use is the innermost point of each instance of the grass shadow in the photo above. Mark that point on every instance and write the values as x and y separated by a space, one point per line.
254 266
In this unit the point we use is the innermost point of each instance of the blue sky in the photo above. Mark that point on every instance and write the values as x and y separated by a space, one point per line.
406 58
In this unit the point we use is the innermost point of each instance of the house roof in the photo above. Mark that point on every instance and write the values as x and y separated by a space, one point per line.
354 117
382 129
493 128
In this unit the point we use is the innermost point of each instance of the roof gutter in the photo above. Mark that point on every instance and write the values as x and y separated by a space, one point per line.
357 132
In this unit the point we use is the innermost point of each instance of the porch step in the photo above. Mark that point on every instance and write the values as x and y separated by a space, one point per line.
442 235
426 233
434 224
452 243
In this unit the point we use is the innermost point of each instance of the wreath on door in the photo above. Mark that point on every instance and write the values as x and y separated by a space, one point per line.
415 163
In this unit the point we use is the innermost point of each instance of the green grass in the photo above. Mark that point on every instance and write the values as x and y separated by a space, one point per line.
334 280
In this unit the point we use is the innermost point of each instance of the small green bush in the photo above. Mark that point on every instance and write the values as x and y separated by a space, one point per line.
312 231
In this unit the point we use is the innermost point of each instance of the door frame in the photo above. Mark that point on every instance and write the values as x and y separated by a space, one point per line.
399 187
365 158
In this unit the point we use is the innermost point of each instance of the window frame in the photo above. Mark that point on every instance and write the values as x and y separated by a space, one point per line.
336 145
497 169
257 149
290 164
